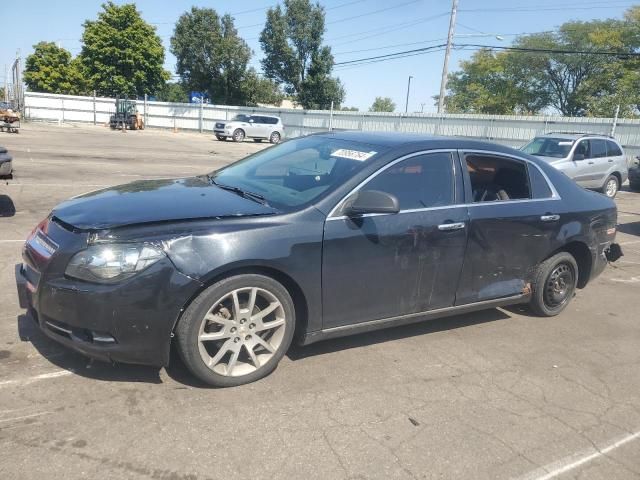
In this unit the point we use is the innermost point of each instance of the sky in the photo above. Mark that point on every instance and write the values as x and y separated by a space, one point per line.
354 29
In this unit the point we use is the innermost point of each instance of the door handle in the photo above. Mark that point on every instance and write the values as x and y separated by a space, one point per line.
610 161
590 163
550 218
446 227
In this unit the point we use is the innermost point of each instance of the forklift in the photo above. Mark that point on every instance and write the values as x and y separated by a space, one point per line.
126 116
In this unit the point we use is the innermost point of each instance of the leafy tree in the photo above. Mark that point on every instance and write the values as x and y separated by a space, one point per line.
260 90
173 92
295 57
382 104
50 69
211 56
350 109
488 84
121 53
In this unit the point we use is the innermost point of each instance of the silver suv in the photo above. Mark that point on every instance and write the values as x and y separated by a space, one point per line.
593 161
258 127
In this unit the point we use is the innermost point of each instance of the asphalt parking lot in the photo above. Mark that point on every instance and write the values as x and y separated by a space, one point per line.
497 394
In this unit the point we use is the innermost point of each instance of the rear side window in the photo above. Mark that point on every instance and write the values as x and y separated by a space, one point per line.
257 119
598 148
270 120
613 150
496 178
419 182
539 185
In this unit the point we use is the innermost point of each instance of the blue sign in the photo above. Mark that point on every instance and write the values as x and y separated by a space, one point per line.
197 97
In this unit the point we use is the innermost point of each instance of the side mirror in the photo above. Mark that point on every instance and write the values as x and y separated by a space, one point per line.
371 201
578 157
251 120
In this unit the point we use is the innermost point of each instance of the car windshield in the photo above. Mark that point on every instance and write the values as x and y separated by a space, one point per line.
297 172
241 118
549 147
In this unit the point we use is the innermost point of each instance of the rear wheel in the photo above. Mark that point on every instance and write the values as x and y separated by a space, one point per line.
611 186
237 330
238 135
275 137
554 284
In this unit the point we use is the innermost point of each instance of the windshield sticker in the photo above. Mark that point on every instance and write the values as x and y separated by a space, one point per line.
565 143
353 154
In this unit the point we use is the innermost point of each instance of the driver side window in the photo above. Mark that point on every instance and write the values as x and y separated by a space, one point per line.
424 181
583 149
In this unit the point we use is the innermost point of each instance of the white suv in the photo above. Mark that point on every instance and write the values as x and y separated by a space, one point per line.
593 161
258 127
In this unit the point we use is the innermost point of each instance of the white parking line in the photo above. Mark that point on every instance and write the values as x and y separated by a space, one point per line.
11 241
36 378
23 417
57 185
570 463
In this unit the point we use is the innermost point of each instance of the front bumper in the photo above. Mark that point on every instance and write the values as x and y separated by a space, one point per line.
130 322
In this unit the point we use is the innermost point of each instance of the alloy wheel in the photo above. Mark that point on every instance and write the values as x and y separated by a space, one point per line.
275 137
241 332
611 188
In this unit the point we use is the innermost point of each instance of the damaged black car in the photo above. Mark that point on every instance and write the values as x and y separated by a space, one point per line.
321 236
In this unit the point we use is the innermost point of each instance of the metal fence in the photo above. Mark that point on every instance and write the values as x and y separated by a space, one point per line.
513 130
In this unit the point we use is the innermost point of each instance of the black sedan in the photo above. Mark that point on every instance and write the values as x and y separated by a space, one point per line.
322 236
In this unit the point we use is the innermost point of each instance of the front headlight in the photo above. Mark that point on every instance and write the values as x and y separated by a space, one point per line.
111 263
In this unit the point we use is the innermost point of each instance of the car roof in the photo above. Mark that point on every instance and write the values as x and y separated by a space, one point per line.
262 115
394 139
575 136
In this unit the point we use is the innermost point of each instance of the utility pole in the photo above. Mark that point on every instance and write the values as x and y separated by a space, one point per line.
406 105
447 53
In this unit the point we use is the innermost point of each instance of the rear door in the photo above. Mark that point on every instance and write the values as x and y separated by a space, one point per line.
513 218
384 265
600 160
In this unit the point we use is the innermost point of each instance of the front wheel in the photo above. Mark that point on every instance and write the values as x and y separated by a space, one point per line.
238 135
611 186
554 284
237 330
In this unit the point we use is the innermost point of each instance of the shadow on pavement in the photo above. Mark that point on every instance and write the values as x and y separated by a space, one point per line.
80 365
630 228
395 333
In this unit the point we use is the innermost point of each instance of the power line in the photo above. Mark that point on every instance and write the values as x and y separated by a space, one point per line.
347 67
389 55
533 8
374 12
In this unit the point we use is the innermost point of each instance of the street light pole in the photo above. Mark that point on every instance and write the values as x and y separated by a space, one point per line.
447 53
406 105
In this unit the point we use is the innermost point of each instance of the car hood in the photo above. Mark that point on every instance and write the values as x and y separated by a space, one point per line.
152 201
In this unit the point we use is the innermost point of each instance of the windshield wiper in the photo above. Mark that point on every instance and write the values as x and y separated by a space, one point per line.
256 197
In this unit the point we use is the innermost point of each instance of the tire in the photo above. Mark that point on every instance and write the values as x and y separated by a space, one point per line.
257 140
549 296
275 137
236 333
611 186
238 135
634 186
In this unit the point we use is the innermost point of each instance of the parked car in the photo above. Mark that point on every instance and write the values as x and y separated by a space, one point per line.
6 163
593 161
322 236
258 127
634 176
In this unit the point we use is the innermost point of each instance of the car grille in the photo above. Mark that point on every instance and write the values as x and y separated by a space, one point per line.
219 125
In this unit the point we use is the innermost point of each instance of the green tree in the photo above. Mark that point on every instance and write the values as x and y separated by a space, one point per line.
173 92
295 57
382 104
260 90
51 69
487 83
211 57
122 54
350 109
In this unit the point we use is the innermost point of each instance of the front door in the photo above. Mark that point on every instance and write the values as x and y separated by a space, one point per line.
384 265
